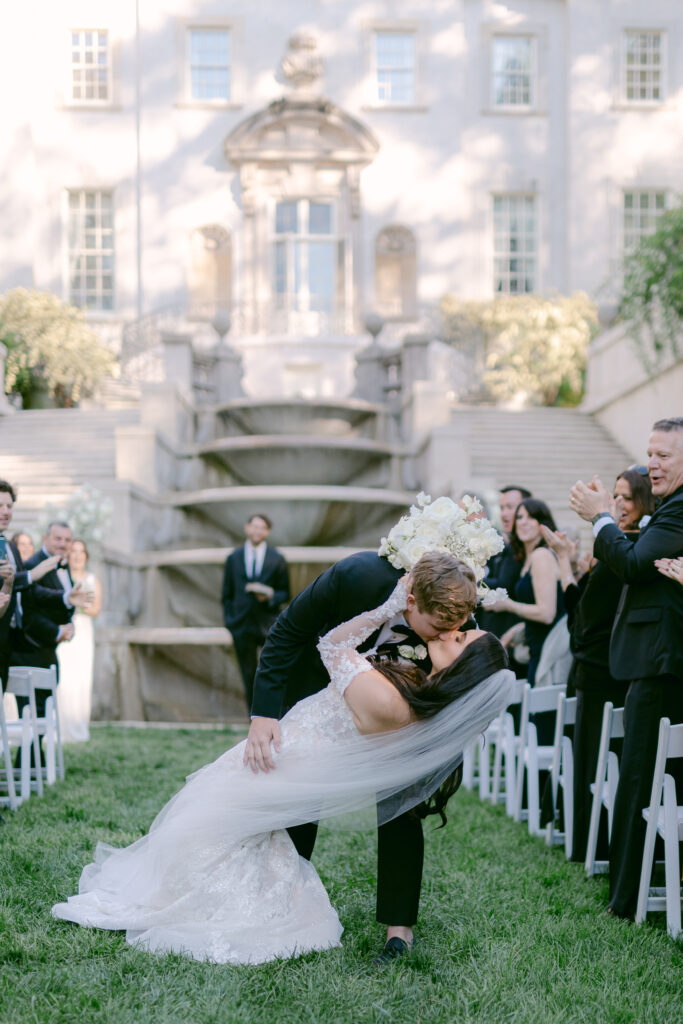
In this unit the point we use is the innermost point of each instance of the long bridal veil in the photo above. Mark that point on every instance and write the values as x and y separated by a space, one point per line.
314 779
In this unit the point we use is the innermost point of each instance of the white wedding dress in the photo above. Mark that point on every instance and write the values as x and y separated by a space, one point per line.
75 674
217 877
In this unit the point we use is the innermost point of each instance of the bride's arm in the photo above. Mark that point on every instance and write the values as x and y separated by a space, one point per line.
376 705
337 648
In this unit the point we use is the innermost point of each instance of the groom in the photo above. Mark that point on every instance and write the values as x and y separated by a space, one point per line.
442 598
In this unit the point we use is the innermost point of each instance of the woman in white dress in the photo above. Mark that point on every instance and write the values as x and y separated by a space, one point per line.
218 878
76 658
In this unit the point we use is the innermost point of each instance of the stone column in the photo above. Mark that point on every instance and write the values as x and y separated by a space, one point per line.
178 360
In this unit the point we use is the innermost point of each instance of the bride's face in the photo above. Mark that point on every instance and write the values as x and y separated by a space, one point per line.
449 646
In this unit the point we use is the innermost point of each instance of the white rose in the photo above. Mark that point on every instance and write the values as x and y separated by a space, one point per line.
443 511
404 651
413 551
420 652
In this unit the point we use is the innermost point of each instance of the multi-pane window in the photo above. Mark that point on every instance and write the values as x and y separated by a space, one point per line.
209 63
515 244
395 66
513 59
643 67
91 249
90 66
642 210
309 259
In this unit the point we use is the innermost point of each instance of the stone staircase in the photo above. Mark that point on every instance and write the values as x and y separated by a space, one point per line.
47 454
545 450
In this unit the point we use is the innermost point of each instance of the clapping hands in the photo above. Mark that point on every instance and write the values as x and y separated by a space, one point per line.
671 567
588 500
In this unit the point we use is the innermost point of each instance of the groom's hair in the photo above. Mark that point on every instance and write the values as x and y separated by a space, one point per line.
444 587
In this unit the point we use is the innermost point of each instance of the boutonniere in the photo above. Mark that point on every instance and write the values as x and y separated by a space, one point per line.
418 653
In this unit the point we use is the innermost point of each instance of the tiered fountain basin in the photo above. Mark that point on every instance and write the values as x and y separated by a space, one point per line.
319 416
184 670
302 459
302 515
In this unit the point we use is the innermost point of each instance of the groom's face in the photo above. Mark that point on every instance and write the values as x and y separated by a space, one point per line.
428 627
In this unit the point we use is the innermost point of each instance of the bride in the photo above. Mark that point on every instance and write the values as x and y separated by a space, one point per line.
218 878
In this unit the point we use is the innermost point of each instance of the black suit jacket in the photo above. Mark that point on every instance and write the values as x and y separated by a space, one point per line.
33 595
290 667
243 613
647 639
44 611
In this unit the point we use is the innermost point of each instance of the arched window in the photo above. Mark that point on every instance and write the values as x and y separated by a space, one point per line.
396 273
209 284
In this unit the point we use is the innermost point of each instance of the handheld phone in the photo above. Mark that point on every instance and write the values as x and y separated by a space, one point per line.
3 549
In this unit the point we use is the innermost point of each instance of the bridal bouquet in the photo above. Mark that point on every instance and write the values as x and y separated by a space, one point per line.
459 529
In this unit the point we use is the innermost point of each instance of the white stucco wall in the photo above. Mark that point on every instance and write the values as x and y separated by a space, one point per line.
438 162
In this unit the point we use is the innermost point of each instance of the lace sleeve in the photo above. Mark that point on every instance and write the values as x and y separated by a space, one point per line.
337 648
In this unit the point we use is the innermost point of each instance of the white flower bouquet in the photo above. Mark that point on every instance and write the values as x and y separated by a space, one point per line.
444 525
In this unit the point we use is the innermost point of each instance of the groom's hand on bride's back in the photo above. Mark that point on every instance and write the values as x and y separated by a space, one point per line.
257 752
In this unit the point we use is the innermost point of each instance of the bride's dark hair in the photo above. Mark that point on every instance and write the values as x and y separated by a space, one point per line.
427 695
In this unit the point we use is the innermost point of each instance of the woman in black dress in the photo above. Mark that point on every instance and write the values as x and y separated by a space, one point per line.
537 595
591 606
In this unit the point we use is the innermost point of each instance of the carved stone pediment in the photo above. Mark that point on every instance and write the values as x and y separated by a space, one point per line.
291 130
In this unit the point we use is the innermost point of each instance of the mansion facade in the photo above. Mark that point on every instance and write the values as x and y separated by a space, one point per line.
303 165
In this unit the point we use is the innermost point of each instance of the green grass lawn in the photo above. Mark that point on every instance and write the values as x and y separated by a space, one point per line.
508 930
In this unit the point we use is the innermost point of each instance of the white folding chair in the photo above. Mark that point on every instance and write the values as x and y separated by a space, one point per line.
23 681
605 786
482 759
562 775
505 754
13 734
533 758
664 818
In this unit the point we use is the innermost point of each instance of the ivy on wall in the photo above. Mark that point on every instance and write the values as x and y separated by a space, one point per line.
530 350
652 291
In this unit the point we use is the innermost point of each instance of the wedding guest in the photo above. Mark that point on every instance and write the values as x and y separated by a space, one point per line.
591 605
77 657
671 567
20 584
255 587
44 628
24 543
537 595
645 648
503 571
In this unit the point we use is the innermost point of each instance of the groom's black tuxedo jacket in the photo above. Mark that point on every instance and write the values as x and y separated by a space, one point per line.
647 638
290 667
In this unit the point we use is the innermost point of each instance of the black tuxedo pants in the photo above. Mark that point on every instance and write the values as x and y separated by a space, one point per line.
590 705
247 652
647 701
400 855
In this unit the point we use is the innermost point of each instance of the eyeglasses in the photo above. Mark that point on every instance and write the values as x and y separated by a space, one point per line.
641 470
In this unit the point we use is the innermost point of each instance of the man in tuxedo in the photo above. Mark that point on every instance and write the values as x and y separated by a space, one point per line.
646 647
290 669
255 586
45 626
20 586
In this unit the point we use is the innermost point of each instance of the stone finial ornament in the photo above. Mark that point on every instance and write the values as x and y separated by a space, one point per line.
301 65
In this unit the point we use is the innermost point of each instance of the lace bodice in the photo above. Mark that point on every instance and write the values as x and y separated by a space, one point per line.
337 648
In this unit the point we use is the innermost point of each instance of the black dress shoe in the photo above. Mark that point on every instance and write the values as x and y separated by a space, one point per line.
392 951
